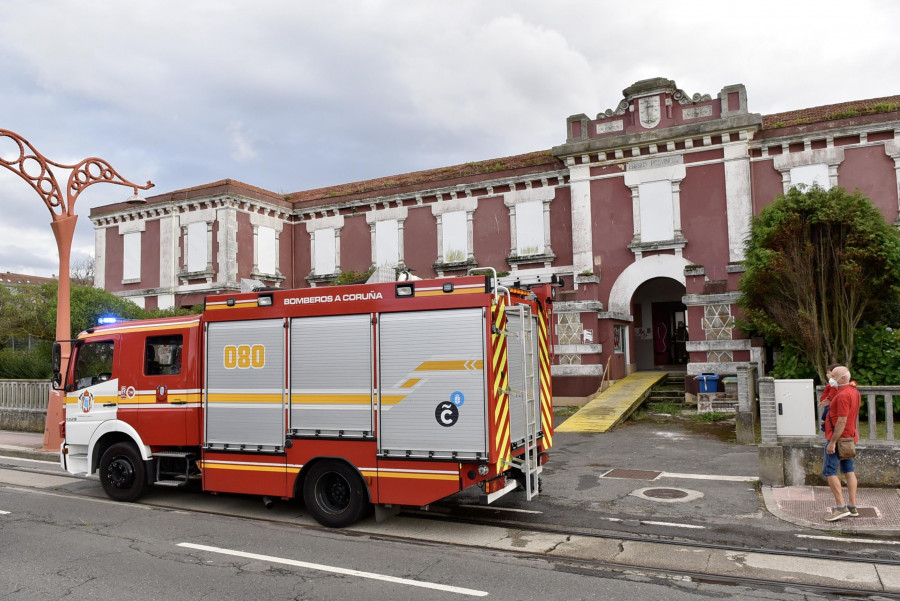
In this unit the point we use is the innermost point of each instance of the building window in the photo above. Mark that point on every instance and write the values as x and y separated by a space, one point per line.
131 257
657 215
619 334
323 251
387 243
811 175
530 228
266 250
162 355
197 260
455 237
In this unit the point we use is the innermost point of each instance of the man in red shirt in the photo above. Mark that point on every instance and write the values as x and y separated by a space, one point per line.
841 423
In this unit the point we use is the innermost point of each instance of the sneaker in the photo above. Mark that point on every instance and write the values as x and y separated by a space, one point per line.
854 513
838 513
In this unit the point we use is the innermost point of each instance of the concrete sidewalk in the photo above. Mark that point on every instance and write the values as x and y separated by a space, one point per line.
25 444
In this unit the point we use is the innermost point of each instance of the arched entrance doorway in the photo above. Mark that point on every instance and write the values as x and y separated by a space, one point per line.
660 324
657 280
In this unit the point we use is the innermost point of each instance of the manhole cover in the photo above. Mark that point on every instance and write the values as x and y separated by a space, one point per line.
632 474
665 493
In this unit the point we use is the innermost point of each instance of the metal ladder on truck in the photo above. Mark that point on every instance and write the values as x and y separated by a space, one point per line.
529 462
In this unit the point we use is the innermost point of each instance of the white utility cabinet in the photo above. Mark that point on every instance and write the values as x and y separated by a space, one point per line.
795 408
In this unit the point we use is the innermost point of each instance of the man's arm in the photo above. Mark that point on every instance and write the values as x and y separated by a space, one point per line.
839 426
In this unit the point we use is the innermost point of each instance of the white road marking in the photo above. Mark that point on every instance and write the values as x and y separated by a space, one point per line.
514 510
708 477
3 512
674 525
871 541
53 463
337 570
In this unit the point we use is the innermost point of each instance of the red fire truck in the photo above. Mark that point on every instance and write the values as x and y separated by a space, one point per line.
385 394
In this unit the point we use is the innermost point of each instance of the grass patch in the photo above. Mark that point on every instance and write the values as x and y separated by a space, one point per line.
712 416
665 407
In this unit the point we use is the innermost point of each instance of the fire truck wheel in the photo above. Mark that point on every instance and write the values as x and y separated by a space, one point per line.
334 494
122 472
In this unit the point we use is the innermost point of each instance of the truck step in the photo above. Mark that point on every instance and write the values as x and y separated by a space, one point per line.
177 454
171 482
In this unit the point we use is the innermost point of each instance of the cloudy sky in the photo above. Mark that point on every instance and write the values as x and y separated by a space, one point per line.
290 95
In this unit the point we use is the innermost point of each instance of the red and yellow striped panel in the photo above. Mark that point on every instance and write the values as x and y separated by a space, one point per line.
546 396
502 443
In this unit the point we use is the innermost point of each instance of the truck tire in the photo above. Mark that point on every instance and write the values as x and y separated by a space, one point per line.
334 494
122 472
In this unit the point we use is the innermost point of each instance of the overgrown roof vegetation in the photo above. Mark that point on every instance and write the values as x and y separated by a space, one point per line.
832 112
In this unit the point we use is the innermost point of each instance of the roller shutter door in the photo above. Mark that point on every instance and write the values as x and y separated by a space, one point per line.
432 384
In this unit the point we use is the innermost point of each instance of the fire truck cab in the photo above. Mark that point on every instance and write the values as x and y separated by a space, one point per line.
386 394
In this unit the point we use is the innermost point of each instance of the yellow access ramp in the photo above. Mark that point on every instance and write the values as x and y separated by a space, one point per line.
612 406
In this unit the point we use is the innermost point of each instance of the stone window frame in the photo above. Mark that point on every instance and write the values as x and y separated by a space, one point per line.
438 210
333 222
258 220
832 157
545 195
131 228
892 149
634 177
374 216
209 217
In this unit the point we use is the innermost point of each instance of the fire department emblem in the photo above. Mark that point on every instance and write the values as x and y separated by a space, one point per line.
86 401
648 111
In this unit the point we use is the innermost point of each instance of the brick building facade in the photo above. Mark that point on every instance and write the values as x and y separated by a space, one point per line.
642 209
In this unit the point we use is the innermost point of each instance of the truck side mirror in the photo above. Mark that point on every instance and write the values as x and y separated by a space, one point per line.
56 361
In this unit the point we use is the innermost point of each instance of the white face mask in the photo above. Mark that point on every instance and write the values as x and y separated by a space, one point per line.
832 382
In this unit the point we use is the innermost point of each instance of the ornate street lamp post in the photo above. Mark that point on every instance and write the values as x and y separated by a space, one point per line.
34 168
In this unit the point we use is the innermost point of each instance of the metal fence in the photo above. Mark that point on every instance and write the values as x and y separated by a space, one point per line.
24 395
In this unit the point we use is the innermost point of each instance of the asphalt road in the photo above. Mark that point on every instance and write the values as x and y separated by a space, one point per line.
58 545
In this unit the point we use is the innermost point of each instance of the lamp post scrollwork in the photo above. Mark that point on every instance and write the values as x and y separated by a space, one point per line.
36 169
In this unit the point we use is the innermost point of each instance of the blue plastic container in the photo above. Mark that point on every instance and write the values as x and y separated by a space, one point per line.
709 382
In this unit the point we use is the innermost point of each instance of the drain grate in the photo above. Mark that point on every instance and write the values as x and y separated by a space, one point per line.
665 493
632 474
867 512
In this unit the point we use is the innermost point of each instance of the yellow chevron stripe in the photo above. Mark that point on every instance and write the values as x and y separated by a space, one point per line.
475 364
140 328
419 476
455 291
73 400
221 397
211 465
546 398
240 305
331 399
501 411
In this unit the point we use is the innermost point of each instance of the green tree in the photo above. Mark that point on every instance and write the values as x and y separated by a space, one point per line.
30 312
816 261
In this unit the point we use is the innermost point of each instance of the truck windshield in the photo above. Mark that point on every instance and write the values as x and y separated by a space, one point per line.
94 363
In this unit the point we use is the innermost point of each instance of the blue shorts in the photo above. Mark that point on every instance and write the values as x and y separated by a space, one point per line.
831 463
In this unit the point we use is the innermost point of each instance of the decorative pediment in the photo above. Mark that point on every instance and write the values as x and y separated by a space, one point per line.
647 88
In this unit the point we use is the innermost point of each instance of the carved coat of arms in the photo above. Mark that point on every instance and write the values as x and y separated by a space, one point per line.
648 111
